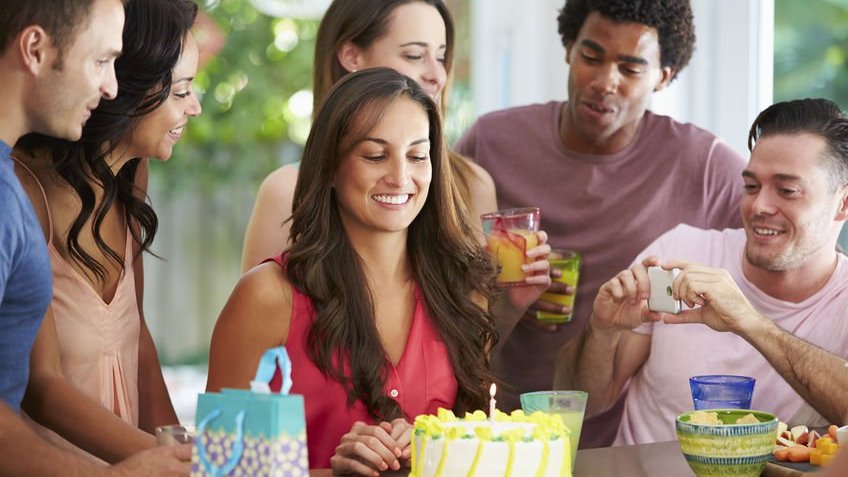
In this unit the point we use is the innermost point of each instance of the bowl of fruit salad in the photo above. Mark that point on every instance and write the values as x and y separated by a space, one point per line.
799 444
726 442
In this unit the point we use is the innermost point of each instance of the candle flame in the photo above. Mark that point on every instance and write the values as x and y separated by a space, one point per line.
493 389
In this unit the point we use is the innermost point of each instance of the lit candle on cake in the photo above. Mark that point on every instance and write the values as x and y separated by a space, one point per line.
492 390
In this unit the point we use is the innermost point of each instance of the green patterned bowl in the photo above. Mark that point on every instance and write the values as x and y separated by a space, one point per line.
737 450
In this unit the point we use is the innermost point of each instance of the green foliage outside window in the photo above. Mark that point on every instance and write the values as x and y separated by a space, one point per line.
256 98
811 54
811 50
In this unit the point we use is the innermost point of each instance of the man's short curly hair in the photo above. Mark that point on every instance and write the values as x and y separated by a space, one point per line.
671 18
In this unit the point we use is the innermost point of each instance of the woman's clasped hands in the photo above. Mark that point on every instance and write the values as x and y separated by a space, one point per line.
371 449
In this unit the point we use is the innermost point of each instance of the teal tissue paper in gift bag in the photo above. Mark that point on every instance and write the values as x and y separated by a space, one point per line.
252 433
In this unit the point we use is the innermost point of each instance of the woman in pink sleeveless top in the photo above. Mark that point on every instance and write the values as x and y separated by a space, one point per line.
382 298
95 381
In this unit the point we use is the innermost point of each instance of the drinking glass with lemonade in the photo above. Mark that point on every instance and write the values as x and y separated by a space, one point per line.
568 263
510 234
569 405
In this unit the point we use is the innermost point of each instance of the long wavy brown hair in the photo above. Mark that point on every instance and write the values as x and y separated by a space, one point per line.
449 265
153 39
363 22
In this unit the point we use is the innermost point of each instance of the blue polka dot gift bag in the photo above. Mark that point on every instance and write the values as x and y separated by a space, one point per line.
252 433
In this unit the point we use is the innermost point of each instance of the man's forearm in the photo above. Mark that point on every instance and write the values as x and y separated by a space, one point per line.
588 363
22 452
818 376
567 360
506 317
56 404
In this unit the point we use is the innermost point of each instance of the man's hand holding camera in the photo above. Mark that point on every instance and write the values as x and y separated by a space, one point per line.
621 303
714 298
711 295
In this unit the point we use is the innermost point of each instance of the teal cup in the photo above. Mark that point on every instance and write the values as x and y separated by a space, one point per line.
569 405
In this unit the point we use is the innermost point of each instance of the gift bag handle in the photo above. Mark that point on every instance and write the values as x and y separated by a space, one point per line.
238 445
271 359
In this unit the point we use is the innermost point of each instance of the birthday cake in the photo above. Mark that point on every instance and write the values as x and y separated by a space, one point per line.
510 445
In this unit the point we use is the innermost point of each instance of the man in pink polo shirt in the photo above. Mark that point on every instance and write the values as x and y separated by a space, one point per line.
769 300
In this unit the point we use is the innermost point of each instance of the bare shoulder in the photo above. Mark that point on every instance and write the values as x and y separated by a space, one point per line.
30 185
255 318
481 175
481 187
260 303
32 178
267 231
279 185
266 287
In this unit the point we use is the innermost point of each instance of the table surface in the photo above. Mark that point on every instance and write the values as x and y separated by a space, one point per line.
645 460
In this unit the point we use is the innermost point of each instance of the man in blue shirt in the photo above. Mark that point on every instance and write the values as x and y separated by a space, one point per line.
57 61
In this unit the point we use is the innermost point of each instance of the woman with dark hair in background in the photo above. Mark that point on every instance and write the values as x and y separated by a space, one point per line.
382 300
413 37
95 379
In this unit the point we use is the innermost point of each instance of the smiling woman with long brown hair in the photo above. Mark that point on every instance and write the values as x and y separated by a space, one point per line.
413 37
382 300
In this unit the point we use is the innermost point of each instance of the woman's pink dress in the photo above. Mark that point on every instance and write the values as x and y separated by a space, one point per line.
98 341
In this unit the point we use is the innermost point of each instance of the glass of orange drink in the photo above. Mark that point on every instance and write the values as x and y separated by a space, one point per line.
510 234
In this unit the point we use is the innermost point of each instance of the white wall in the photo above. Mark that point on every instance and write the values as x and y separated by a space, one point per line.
729 80
516 54
518 58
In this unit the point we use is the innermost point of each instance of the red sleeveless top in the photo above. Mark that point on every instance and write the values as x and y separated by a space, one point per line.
421 382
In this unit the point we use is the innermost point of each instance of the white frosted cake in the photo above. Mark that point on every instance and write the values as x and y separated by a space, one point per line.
513 445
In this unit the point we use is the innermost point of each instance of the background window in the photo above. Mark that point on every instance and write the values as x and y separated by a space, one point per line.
811 50
811 54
